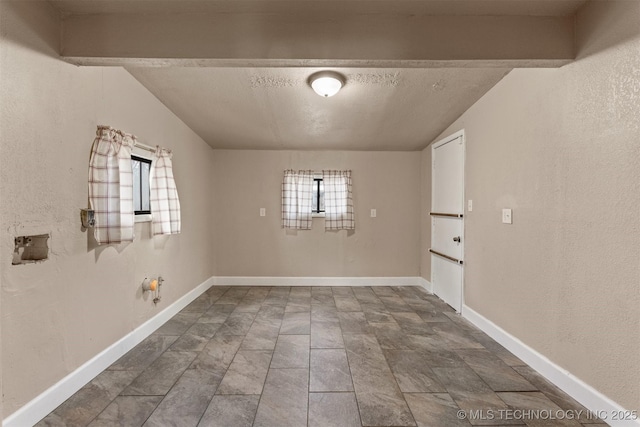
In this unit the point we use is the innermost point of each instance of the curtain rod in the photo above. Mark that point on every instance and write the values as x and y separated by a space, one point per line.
136 143
144 146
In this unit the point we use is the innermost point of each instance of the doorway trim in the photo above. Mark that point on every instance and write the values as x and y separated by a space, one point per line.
450 138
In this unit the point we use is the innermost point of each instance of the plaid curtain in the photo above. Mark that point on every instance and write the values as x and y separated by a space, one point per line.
111 186
165 205
297 190
338 201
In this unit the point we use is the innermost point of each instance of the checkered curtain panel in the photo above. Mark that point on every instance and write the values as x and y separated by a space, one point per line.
297 190
338 201
165 205
111 186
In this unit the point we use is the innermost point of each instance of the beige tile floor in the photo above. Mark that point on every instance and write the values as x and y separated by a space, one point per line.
318 356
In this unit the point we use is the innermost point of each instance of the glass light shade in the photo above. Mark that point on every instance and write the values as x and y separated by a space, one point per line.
326 84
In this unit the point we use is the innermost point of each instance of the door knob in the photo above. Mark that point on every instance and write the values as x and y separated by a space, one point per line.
456 239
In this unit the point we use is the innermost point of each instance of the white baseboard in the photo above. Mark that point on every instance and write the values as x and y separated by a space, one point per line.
50 399
425 284
316 281
586 395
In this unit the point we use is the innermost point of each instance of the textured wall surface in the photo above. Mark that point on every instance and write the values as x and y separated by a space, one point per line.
562 149
425 218
249 245
58 314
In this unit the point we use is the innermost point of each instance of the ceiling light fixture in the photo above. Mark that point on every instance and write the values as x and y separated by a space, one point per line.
326 83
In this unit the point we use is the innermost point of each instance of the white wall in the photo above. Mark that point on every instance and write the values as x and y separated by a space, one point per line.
58 314
561 147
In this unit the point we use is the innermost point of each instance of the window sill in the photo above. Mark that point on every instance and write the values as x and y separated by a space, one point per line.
317 215
143 218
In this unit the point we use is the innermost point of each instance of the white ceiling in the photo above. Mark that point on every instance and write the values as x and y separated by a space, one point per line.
274 108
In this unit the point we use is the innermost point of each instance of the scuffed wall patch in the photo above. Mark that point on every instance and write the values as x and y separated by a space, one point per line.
439 86
611 95
625 88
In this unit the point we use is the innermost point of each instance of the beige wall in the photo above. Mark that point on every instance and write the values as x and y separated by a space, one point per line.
562 149
248 245
58 314
286 34
425 218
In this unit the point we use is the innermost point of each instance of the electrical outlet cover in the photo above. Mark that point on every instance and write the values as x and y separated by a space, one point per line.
506 216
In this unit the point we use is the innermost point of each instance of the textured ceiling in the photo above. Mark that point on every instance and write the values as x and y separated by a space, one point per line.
249 107
274 108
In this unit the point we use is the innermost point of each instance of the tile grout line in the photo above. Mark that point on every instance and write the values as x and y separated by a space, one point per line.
395 379
309 370
270 360
394 375
248 298
346 353
163 396
214 392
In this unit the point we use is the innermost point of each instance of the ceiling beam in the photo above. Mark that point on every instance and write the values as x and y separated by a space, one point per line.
319 39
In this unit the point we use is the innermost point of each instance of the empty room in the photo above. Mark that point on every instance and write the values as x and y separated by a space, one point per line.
320 213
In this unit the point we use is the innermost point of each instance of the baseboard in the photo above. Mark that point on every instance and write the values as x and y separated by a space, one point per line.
425 284
50 399
316 281
586 395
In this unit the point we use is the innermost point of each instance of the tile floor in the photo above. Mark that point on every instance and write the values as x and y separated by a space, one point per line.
318 356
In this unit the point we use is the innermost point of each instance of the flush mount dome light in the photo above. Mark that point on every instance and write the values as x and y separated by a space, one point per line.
326 83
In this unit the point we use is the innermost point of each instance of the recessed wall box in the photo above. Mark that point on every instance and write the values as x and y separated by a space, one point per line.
88 217
30 249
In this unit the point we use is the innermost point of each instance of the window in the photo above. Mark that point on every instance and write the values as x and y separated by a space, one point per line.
141 168
306 195
317 202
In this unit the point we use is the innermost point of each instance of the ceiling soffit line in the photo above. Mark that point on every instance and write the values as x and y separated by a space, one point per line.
411 67
91 61
399 7
291 40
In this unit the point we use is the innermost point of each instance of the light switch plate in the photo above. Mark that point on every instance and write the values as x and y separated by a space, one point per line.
470 205
263 212
506 216
374 213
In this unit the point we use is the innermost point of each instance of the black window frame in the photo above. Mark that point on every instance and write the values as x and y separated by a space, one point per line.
316 192
147 161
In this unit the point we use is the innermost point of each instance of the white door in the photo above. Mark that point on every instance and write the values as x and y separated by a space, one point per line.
447 220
